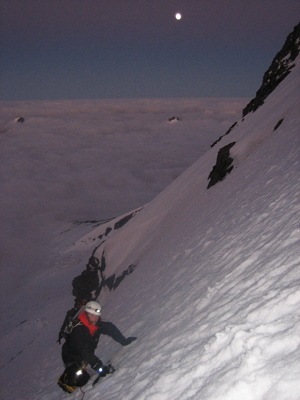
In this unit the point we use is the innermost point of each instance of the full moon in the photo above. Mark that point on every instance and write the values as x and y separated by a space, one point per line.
178 16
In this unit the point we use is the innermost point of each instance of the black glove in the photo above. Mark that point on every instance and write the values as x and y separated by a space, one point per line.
104 370
61 336
98 366
129 340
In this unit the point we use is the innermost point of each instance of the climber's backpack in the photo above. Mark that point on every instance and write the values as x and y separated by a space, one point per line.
70 321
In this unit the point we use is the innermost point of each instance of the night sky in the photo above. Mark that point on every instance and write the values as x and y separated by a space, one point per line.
87 49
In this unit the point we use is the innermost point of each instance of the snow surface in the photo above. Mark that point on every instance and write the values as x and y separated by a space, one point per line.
214 298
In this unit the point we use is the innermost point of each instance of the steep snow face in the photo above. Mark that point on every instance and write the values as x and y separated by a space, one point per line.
214 297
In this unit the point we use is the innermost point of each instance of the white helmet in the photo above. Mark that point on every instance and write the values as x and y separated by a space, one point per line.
93 307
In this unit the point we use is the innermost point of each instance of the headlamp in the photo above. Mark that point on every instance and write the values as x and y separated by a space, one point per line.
94 309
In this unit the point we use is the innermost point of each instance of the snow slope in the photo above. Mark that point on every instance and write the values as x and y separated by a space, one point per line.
214 293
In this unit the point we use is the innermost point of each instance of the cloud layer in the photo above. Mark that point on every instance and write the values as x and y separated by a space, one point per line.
93 160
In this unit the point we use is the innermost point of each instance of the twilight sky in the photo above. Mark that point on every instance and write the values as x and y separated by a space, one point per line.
75 49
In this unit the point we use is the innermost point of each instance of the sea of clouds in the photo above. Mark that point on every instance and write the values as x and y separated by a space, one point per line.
92 160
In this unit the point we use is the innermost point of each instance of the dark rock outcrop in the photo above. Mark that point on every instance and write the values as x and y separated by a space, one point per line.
280 68
173 119
278 124
89 283
20 119
223 165
226 133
